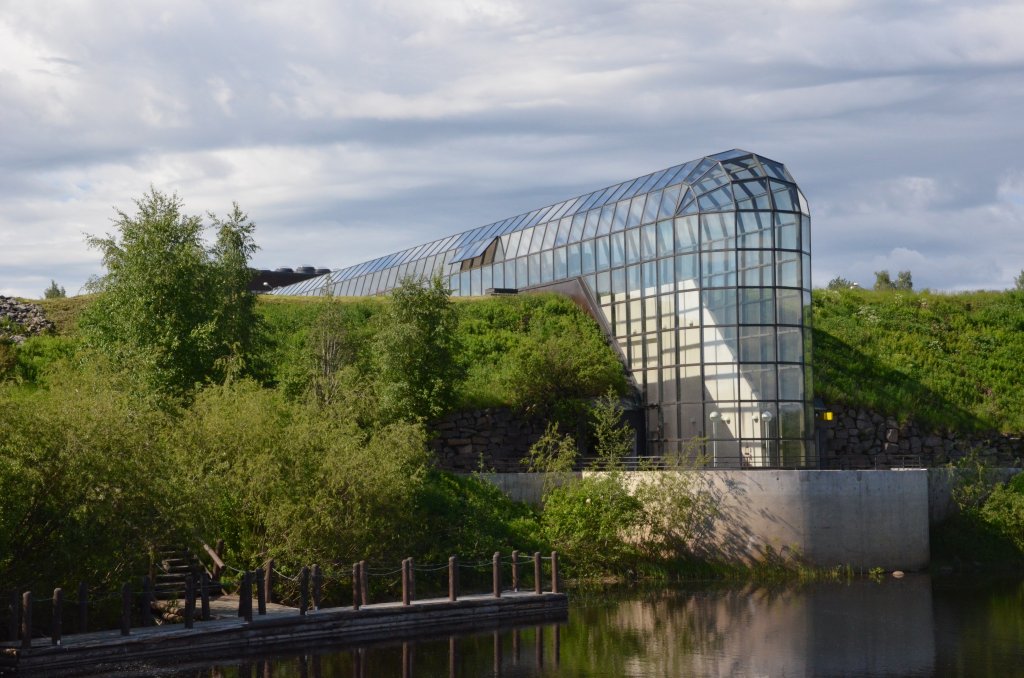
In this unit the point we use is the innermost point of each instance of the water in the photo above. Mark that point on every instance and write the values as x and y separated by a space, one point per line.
909 627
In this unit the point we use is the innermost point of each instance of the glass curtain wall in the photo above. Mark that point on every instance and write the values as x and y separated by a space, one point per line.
702 272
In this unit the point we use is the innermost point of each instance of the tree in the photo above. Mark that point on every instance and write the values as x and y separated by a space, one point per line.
841 283
54 291
415 351
173 313
1018 282
904 281
883 282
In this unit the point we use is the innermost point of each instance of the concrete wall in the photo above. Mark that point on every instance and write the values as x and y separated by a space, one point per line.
863 519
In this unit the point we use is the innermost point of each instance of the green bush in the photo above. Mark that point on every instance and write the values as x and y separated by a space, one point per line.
593 522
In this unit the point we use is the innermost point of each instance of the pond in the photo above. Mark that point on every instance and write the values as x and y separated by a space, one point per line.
915 626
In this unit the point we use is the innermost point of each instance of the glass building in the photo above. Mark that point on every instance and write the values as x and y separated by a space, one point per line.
700 275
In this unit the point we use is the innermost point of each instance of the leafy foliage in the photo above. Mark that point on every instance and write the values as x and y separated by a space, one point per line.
54 291
841 283
590 521
173 312
415 348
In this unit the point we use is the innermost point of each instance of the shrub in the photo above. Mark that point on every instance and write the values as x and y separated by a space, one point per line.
593 522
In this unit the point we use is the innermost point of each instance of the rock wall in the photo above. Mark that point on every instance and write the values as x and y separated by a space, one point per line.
860 438
495 439
20 320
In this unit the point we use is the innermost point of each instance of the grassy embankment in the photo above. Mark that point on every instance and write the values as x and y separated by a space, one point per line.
949 361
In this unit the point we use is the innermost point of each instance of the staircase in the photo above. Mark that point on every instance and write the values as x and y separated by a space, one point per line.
173 566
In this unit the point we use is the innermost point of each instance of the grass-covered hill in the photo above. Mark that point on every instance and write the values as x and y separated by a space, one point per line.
951 361
946 360
520 351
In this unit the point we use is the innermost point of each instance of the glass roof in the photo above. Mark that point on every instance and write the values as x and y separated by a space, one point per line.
701 185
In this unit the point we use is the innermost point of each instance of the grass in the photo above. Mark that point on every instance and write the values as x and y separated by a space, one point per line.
945 360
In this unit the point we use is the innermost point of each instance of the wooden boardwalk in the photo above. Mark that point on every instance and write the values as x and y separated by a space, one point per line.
228 636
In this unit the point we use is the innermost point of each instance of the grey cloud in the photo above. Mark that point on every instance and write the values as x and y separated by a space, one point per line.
349 130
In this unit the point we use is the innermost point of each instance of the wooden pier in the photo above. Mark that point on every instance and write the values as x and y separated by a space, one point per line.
280 628
232 629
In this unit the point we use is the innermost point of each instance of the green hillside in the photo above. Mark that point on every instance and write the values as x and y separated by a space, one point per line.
946 360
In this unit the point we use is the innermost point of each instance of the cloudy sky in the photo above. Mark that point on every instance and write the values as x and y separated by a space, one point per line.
348 130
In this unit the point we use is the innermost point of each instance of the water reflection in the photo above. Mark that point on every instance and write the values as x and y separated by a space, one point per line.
908 627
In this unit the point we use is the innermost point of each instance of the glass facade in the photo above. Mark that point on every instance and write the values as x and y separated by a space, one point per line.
702 275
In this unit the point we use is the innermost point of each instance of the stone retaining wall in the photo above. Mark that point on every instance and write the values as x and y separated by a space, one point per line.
860 438
494 439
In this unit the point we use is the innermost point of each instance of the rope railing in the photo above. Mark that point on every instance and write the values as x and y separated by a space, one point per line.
140 602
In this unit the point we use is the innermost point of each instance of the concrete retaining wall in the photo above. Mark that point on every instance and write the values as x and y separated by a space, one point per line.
863 519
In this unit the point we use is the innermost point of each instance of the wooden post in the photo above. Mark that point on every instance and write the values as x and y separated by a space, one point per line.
496 573
406 660
405 581
190 602
268 585
303 590
126 609
146 602
245 597
554 571
261 591
515 571
318 583
557 650
355 586
453 578
364 583
26 620
412 579
538 583
204 595
57 620
14 627
83 607
498 653
453 657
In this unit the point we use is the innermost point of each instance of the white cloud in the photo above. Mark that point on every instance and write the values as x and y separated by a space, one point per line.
350 129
